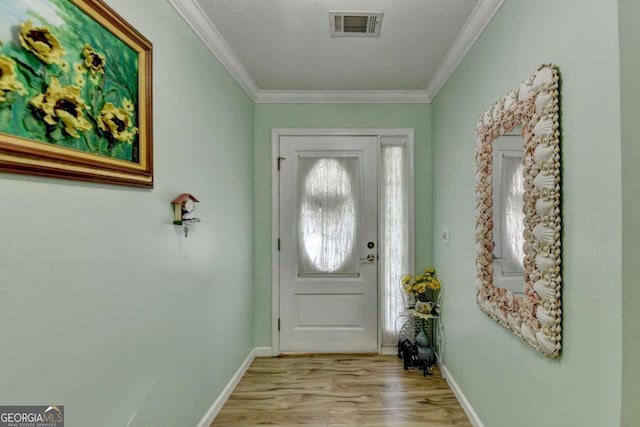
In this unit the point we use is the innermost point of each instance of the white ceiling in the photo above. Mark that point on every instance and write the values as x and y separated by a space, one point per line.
281 50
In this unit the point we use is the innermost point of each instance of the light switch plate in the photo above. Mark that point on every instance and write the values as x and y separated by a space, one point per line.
445 235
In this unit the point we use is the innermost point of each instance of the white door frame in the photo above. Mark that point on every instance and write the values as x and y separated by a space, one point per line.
275 208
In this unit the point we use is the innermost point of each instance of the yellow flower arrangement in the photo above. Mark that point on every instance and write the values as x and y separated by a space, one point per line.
425 287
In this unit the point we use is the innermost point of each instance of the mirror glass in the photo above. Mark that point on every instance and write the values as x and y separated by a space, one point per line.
508 214
518 220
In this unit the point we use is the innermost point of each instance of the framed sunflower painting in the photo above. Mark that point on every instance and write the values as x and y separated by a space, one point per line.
75 93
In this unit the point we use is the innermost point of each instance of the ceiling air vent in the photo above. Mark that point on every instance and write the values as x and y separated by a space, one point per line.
355 24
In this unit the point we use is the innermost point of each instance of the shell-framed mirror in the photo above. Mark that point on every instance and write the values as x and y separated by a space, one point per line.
518 212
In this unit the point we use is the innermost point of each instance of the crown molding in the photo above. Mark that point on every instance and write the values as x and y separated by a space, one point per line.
342 97
195 17
483 13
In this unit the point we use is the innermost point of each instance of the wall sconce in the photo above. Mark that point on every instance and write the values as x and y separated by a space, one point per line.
183 211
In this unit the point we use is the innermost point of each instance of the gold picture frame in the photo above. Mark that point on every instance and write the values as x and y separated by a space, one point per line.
75 93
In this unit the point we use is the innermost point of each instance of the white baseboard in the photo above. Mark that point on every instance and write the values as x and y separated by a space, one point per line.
264 352
466 406
226 392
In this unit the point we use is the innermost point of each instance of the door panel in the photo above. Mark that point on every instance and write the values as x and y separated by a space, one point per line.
328 213
329 311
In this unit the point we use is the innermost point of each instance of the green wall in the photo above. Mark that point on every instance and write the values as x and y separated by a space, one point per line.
629 11
105 307
506 382
268 116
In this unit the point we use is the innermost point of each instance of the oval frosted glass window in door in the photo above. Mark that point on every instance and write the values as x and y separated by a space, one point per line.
328 194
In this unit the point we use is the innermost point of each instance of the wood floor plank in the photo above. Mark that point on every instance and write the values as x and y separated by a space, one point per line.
381 384
392 417
289 418
285 399
280 384
340 390
419 399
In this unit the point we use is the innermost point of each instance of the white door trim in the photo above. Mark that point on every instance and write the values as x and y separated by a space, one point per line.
275 207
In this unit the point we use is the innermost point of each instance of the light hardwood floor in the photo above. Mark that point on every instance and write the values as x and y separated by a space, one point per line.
340 390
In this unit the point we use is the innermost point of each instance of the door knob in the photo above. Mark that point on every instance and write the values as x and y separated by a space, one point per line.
369 258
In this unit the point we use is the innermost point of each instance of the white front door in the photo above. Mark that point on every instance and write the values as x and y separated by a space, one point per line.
328 243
